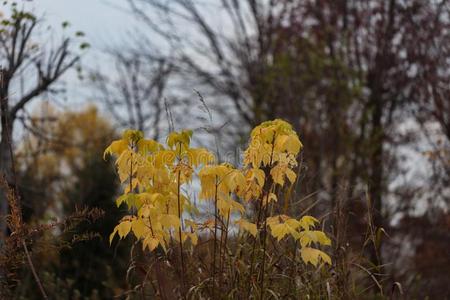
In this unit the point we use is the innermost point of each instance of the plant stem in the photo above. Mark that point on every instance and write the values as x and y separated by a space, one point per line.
264 238
158 269
264 207
252 259
224 248
215 240
33 270
179 235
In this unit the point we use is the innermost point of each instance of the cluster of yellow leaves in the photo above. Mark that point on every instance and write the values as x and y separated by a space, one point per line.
272 151
301 230
220 183
152 175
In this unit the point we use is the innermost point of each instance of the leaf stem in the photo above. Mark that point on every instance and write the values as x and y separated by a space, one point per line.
224 248
33 270
215 239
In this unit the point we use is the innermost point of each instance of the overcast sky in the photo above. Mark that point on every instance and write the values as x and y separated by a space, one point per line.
103 21
99 19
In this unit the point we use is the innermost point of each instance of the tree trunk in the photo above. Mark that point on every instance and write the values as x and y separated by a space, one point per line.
376 174
5 153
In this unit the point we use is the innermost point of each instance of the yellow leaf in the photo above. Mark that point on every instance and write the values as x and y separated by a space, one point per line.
273 221
236 206
128 199
123 163
308 236
311 255
111 236
116 147
130 187
236 181
279 231
248 226
270 197
169 220
258 175
171 139
145 146
228 205
150 242
133 136
121 200
186 136
144 211
139 228
293 223
291 175
145 173
277 173
322 238
307 222
124 228
325 257
289 143
164 158
177 138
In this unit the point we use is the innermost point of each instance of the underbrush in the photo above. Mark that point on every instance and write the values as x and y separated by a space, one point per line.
201 229
252 243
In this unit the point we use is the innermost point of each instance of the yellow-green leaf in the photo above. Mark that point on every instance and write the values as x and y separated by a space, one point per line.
146 146
150 242
169 220
116 147
247 226
139 228
111 236
307 222
291 175
124 228
313 256
309 236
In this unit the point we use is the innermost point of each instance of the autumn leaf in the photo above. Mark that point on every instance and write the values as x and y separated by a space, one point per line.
116 148
309 236
139 228
247 226
307 222
150 243
313 256
168 220
123 228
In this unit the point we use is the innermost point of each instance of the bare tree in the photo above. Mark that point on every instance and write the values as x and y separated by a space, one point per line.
134 92
26 60
345 73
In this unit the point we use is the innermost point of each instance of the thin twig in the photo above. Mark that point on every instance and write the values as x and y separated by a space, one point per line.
36 277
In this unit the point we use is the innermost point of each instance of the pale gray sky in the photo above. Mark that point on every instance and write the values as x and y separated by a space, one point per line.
103 22
99 19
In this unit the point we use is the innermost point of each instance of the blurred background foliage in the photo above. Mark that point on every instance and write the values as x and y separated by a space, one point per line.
62 173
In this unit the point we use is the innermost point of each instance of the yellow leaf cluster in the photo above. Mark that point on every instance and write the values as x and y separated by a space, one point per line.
153 175
313 256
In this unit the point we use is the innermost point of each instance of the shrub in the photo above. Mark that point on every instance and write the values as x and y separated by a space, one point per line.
250 246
